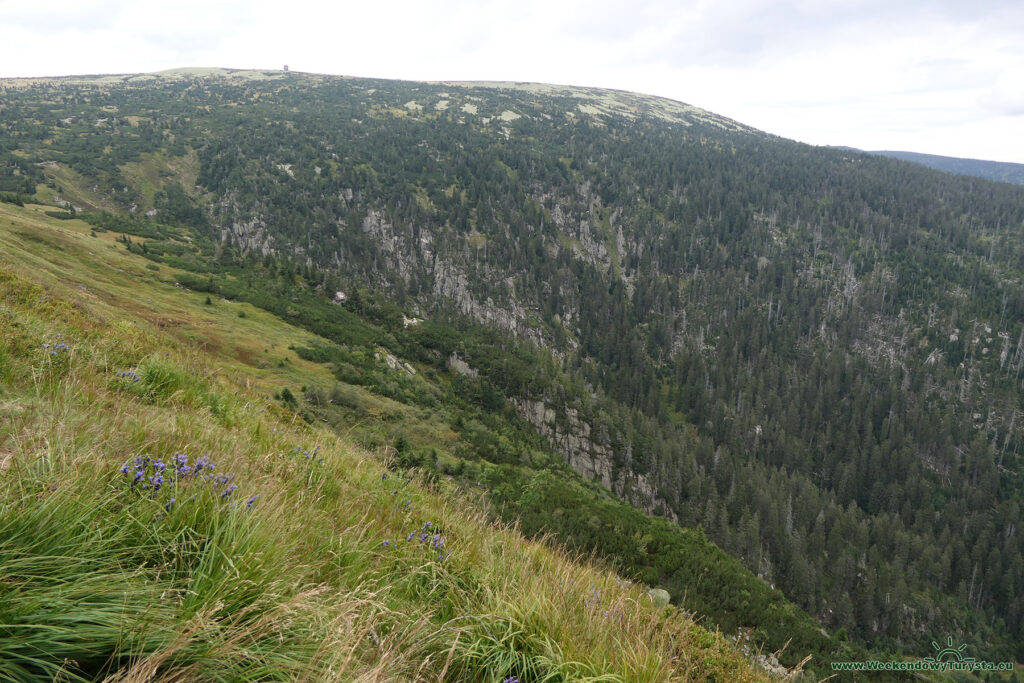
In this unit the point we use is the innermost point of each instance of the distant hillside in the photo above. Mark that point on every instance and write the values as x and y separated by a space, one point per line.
989 170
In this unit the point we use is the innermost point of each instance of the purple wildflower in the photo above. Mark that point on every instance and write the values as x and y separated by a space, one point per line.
56 347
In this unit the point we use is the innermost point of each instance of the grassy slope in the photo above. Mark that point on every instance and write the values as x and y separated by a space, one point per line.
99 578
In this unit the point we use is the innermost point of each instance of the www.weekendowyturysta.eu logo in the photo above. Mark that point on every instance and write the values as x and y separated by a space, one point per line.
946 659
948 654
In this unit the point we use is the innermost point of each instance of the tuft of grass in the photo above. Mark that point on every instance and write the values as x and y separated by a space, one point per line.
165 381
96 580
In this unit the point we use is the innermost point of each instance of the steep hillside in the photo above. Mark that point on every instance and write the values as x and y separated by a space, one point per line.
161 519
812 355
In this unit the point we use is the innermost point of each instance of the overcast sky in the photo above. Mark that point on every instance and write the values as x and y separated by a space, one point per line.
936 76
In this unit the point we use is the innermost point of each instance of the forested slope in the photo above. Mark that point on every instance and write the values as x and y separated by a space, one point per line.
813 354
163 518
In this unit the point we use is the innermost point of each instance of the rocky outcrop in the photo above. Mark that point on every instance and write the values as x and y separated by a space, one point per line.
460 366
659 596
743 641
248 236
450 278
590 453
394 363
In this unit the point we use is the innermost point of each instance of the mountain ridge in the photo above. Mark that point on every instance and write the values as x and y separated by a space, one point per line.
600 100
1000 171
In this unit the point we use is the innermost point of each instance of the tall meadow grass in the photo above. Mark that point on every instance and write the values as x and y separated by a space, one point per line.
161 522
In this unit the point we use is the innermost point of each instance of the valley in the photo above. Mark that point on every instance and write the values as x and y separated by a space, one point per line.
782 382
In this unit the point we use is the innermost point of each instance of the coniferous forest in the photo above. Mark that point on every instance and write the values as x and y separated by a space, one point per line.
810 357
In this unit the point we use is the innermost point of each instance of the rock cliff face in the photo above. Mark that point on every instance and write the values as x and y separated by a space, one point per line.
449 276
590 453
460 366
453 283
248 236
